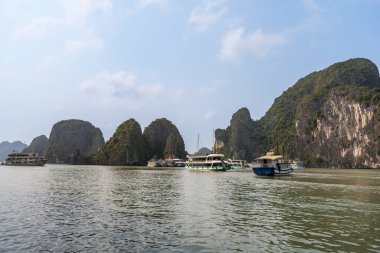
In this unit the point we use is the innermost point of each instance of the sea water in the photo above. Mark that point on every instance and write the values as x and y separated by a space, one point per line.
62 208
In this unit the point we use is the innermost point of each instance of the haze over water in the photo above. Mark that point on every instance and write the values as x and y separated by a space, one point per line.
93 208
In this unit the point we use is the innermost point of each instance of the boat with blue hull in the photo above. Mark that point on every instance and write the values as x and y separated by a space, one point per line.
272 165
264 171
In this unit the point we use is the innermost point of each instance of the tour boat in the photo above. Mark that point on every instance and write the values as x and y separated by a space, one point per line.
25 159
272 165
211 162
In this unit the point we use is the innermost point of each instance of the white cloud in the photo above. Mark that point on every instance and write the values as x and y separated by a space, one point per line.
209 115
90 45
178 93
36 28
206 91
207 14
154 3
78 11
115 84
119 88
315 18
237 42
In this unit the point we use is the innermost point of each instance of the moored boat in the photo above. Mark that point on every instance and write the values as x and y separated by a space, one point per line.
25 159
176 162
272 165
238 165
156 163
211 162
297 165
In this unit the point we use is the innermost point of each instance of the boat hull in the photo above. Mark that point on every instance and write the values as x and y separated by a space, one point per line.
25 164
270 171
206 168
283 171
263 171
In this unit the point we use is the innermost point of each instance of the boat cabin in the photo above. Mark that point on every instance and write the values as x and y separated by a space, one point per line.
270 160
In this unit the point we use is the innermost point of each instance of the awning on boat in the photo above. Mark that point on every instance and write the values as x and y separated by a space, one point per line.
270 157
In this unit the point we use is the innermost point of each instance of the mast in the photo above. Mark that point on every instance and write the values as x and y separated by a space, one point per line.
198 143
214 141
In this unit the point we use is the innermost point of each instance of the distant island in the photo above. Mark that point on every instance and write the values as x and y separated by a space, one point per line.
329 118
7 147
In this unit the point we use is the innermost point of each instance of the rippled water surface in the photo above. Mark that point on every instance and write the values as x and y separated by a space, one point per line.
95 208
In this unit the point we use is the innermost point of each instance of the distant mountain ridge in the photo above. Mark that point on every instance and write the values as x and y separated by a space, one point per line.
7 147
330 118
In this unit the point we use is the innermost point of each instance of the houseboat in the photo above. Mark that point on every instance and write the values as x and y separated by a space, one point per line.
211 162
25 159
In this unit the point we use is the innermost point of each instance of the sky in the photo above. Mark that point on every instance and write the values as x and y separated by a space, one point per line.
194 62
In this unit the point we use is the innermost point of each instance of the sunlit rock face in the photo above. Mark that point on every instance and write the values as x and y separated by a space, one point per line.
329 118
348 134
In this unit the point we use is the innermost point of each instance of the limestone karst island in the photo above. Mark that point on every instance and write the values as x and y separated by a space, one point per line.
327 119
190 126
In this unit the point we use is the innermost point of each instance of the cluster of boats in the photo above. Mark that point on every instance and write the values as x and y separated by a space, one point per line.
268 165
175 162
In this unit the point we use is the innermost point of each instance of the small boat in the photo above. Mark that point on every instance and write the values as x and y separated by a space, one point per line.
238 165
272 165
156 163
297 165
176 162
152 163
25 159
211 162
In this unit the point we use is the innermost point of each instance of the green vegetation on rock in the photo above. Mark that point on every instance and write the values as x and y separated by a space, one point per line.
324 119
126 147
241 138
37 145
164 139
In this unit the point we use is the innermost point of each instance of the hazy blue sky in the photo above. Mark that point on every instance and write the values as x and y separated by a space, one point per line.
193 62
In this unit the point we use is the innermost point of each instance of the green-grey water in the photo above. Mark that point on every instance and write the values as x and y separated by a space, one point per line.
60 208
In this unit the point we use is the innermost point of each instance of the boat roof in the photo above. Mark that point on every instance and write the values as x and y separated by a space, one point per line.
215 155
270 157
204 156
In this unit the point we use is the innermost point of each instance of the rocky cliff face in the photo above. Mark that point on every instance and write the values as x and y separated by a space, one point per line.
164 140
37 145
241 139
126 147
329 118
346 135
72 140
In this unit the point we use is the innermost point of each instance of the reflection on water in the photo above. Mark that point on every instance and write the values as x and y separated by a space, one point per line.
95 208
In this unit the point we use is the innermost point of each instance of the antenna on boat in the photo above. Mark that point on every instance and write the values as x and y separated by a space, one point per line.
198 143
